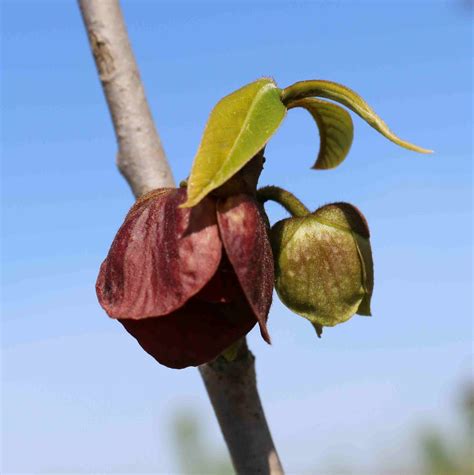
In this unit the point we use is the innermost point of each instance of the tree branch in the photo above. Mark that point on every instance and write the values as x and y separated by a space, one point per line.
231 386
232 389
141 158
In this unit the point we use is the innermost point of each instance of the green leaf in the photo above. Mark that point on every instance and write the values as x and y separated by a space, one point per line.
349 98
336 130
239 126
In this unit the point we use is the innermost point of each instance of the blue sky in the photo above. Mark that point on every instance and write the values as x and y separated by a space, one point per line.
78 394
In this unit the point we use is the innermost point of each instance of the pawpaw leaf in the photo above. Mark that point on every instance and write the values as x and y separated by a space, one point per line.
239 126
336 130
349 98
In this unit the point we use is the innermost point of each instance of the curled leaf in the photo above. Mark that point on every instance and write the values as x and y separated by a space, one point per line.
239 126
318 329
349 98
336 130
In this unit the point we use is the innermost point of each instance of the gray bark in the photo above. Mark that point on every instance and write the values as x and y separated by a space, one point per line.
141 158
232 389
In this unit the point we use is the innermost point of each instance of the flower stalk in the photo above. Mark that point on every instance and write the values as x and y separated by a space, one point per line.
284 198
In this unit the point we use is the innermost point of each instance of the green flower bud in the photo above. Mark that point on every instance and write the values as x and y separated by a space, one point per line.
323 264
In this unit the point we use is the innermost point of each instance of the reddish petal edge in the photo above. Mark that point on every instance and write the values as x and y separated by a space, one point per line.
161 256
142 200
244 235
194 334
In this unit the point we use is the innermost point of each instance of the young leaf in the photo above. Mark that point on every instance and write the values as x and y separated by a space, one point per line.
349 98
336 130
238 127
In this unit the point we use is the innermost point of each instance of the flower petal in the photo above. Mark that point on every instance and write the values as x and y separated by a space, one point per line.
161 256
246 243
224 286
194 334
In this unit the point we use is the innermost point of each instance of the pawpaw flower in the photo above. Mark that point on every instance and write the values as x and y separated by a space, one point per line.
189 282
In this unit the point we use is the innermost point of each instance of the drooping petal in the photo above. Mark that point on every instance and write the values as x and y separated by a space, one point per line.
246 243
161 256
194 334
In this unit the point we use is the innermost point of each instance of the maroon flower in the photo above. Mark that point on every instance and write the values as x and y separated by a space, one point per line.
189 282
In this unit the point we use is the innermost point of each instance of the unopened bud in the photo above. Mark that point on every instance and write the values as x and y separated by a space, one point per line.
323 264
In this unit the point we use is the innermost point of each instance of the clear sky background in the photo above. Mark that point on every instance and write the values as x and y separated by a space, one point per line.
78 394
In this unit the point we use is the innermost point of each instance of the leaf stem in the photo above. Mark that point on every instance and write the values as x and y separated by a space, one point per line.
284 198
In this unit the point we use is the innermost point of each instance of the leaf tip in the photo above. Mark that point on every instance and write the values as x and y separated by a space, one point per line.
322 166
416 148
